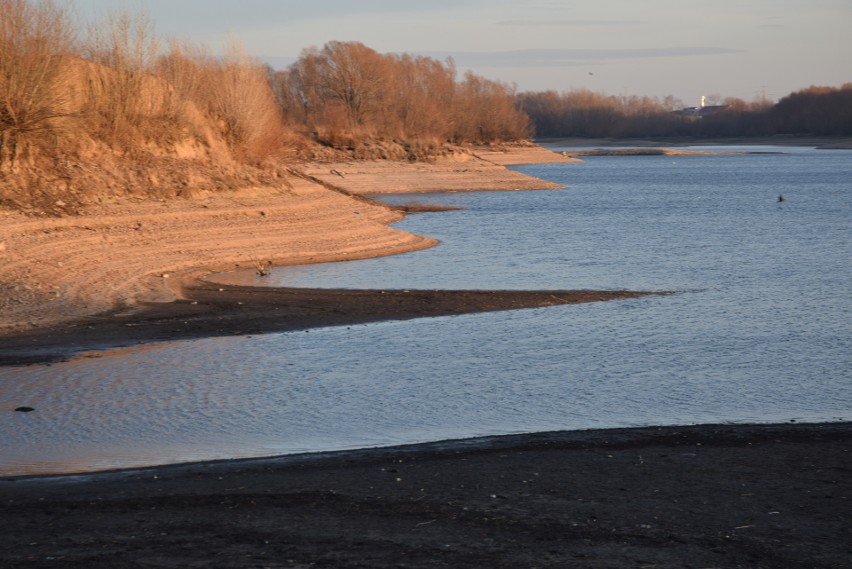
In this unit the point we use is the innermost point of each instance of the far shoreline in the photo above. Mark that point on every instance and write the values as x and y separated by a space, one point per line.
829 143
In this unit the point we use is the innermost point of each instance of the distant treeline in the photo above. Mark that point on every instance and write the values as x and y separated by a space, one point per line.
815 111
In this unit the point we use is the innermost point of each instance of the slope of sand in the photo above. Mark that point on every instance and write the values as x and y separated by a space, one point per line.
55 270
484 169
515 155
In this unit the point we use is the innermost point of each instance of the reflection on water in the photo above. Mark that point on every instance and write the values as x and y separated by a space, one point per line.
761 331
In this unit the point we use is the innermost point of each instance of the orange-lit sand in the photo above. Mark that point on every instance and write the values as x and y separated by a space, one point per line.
55 270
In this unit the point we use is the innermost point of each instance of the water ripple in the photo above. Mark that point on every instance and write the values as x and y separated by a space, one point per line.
760 330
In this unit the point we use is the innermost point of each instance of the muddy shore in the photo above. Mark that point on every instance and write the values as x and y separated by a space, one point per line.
207 309
755 496
125 273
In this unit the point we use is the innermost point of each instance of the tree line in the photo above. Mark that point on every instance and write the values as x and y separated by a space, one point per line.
814 111
348 91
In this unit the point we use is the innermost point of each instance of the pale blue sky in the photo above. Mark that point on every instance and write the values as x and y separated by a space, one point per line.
685 48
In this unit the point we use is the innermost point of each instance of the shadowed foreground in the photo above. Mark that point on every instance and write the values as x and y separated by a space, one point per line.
773 496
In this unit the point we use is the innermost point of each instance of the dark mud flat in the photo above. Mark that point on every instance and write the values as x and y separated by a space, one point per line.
756 496
210 309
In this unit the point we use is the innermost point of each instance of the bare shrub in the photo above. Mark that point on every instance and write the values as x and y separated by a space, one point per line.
189 72
127 103
186 67
34 38
239 96
235 91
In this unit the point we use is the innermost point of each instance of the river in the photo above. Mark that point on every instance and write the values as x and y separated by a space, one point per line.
760 329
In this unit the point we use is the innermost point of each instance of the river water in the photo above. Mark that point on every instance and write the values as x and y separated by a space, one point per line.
760 328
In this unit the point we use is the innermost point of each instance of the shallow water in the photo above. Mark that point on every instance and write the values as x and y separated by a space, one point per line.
760 329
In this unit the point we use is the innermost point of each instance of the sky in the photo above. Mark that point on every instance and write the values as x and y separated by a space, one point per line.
685 48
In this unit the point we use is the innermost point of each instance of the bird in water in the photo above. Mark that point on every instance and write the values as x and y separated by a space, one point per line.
780 199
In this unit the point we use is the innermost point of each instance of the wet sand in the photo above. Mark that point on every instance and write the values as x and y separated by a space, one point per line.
763 496
207 309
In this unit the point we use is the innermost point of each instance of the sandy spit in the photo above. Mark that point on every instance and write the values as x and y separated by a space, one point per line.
484 169
57 270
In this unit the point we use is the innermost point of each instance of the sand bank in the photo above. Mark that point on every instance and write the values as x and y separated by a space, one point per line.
484 169
59 270
115 258
208 309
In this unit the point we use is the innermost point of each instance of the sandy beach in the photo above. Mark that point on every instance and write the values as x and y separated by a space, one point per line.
123 273
756 496
114 258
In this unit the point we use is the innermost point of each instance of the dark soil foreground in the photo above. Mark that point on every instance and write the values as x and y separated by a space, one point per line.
772 496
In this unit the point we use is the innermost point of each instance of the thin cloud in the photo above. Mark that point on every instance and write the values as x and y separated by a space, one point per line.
569 23
572 57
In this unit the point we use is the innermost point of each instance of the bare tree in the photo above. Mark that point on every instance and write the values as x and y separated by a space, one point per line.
34 39
485 111
353 75
347 91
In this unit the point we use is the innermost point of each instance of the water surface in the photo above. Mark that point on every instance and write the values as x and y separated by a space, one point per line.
759 330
